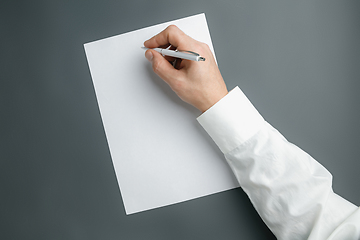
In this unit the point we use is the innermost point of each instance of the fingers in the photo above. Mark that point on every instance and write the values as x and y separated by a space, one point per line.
162 67
171 35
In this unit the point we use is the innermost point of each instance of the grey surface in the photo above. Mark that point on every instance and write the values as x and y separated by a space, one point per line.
298 62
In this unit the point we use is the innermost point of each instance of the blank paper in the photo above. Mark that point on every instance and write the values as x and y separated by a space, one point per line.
160 153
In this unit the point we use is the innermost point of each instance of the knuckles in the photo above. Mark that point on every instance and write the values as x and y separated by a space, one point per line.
172 28
205 47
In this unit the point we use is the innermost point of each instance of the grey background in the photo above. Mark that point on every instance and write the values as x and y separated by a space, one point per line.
298 62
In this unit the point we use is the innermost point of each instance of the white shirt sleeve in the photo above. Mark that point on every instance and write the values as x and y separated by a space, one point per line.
290 190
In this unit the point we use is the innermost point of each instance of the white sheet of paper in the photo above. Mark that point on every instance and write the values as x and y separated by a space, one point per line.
160 153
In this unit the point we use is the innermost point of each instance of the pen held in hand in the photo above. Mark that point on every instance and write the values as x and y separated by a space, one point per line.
188 55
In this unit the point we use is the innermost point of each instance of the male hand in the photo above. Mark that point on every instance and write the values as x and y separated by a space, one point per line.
197 83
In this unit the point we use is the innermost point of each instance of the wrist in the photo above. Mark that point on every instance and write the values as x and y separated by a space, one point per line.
231 121
211 102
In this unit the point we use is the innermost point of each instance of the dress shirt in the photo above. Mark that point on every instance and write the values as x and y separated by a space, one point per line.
290 190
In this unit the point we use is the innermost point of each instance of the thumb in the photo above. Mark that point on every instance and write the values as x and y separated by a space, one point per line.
161 66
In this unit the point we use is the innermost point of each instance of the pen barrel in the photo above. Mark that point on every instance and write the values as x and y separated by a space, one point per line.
181 55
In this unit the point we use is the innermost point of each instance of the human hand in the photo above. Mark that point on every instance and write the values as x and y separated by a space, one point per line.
197 83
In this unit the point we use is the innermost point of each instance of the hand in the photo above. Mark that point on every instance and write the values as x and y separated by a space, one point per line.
197 83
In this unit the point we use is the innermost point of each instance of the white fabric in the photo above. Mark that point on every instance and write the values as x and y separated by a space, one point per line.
290 190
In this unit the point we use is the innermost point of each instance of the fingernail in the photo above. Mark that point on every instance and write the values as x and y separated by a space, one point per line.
149 56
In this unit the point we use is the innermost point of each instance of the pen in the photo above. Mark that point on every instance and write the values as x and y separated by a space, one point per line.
178 54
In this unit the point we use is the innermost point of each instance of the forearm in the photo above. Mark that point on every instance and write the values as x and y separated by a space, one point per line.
289 189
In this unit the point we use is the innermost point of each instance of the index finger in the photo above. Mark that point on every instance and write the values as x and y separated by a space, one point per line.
171 35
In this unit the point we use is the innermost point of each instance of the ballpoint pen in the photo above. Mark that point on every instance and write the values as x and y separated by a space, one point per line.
189 55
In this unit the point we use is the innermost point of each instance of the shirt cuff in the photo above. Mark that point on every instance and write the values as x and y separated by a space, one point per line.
231 121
